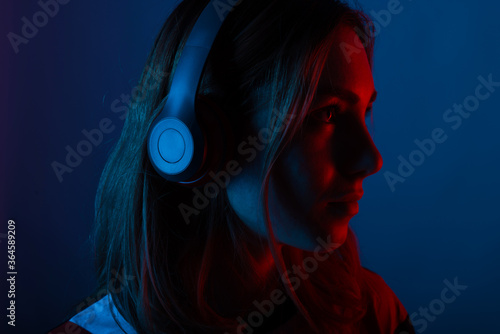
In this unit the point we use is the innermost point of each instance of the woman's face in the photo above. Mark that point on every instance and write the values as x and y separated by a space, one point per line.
325 162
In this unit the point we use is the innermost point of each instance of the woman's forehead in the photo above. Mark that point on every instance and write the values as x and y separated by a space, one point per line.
347 65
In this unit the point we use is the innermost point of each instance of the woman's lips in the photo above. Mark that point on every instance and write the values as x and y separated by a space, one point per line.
349 208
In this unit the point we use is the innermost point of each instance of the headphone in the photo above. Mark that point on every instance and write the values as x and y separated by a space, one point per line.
181 147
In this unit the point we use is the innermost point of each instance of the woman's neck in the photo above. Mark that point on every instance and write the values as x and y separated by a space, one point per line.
241 274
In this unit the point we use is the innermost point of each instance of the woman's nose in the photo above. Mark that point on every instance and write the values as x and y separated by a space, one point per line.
359 156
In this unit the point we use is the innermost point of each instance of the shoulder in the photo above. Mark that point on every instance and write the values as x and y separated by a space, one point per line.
381 292
386 314
100 317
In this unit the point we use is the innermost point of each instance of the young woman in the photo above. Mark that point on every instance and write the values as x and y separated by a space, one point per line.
264 245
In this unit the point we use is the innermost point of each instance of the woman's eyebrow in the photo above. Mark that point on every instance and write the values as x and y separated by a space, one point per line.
344 94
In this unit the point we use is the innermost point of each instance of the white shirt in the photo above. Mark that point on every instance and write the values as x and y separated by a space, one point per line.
97 318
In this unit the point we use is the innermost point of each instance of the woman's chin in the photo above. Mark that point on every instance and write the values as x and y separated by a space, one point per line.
332 237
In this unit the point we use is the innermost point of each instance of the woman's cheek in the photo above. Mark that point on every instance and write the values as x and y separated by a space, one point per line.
316 157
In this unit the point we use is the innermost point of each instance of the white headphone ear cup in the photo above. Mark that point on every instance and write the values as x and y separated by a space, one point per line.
171 147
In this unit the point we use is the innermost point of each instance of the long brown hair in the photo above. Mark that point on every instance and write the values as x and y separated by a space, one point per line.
277 46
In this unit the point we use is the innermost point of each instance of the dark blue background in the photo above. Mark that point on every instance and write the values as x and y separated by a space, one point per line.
441 223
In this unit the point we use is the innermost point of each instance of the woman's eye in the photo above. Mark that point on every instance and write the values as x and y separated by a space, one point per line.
327 115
